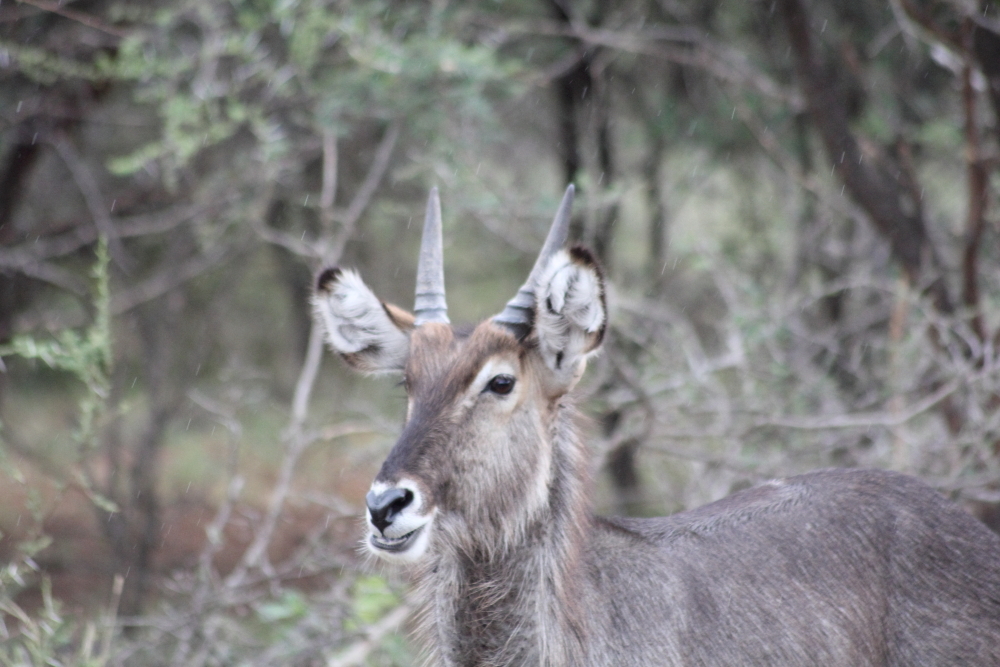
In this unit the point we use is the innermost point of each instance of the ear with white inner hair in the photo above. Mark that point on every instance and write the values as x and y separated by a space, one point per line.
570 314
370 335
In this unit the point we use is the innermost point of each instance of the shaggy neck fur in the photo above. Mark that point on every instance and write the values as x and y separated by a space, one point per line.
486 604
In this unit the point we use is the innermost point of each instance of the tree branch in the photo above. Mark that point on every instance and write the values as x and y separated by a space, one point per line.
872 176
296 437
380 164
894 417
329 190
170 278
978 179
329 246
82 235
684 46
91 192
357 652
73 15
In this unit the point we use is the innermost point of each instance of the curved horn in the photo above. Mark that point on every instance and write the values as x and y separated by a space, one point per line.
519 314
430 305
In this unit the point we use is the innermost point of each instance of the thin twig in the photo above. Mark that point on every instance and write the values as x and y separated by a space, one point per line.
91 192
206 588
978 180
73 15
298 441
55 275
296 438
329 191
168 279
110 619
923 26
357 652
82 235
683 46
894 417
294 244
361 199
768 140
329 246
307 378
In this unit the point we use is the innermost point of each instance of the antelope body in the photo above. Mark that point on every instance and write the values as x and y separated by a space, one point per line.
485 497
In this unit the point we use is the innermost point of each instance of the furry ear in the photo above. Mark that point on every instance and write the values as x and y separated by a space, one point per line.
570 314
368 334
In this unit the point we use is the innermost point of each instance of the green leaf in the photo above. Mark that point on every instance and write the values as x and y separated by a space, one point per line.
290 606
373 599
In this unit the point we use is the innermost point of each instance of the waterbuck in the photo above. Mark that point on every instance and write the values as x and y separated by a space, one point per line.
485 497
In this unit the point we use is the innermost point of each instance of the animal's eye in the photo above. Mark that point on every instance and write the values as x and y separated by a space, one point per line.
501 384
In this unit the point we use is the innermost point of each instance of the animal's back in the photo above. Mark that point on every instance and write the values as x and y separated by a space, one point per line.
836 567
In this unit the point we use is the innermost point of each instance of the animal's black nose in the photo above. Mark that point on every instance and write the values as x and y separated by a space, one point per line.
385 506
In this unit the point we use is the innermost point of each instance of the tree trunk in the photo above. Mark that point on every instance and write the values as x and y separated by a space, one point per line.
876 179
14 288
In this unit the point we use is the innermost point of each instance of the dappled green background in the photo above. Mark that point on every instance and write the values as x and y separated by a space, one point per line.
795 203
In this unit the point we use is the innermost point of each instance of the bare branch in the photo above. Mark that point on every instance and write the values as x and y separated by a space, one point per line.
223 414
297 441
894 417
206 576
357 652
54 275
916 21
873 177
297 245
682 45
168 279
781 156
501 227
329 190
978 180
91 192
110 619
73 15
364 194
82 235
307 376
330 245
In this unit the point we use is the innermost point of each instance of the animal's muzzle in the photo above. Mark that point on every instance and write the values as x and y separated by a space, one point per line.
384 507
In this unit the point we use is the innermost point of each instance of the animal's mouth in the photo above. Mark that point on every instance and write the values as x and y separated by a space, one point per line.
395 544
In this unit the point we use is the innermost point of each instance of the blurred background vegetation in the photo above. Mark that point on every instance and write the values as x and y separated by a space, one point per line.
795 201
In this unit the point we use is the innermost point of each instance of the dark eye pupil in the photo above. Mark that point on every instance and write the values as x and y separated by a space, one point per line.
501 384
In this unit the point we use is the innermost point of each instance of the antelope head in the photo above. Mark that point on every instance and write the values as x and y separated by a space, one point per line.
474 464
